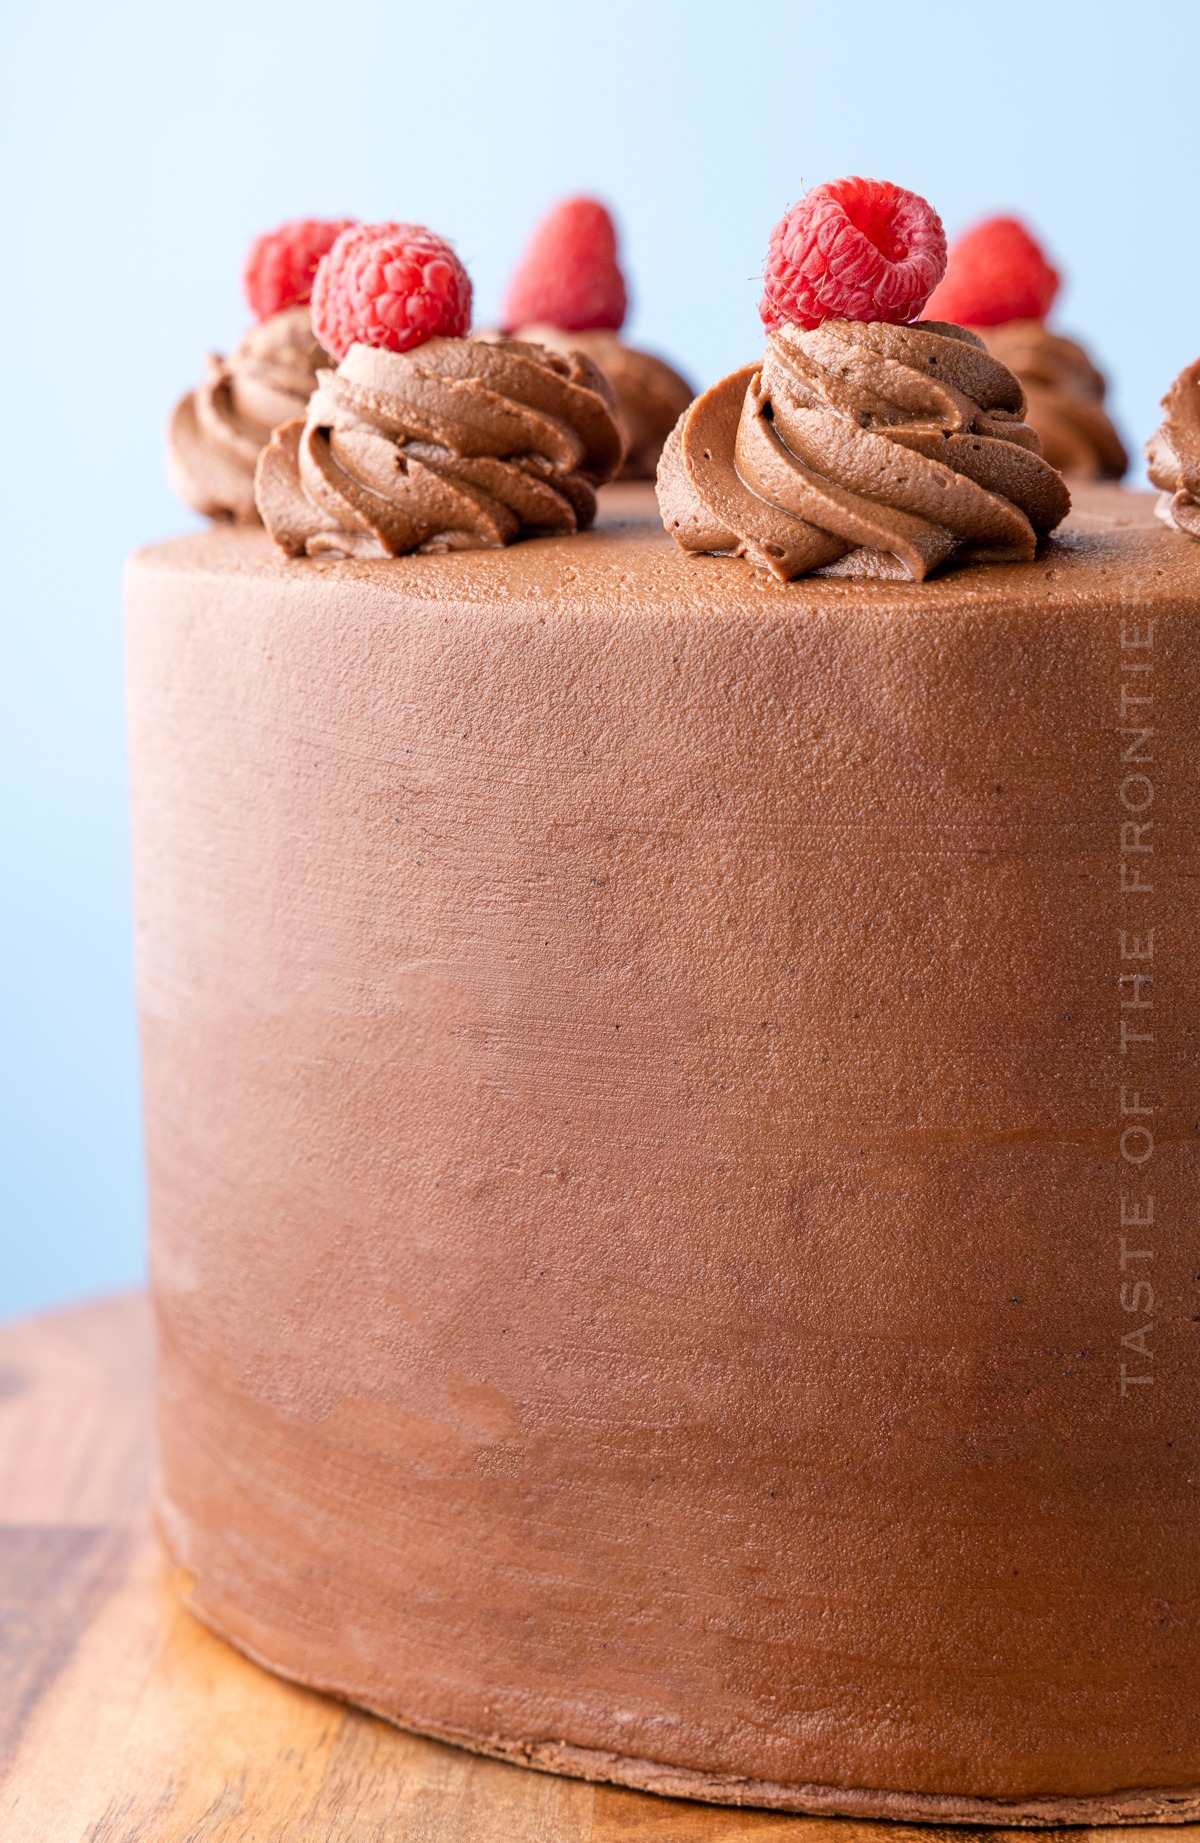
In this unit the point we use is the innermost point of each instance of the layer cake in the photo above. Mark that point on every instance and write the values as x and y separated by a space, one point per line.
672 1110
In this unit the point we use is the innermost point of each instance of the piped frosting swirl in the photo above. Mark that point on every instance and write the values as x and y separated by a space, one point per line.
1064 398
217 431
1173 454
455 445
650 395
861 449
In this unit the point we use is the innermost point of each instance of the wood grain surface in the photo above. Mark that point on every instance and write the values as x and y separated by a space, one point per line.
122 1720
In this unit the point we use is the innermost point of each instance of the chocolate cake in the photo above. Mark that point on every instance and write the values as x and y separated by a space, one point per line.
672 1077
670 1105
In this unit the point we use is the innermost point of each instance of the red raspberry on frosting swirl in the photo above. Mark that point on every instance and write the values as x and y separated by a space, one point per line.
995 273
855 249
569 275
281 264
392 286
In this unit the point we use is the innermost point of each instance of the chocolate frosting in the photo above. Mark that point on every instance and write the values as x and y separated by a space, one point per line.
861 449
1065 398
217 431
634 1074
651 396
1173 453
456 445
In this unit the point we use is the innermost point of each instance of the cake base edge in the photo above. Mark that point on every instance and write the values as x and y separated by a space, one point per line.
1157 1805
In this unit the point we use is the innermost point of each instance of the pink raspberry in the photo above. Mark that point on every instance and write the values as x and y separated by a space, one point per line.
389 285
855 249
281 263
996 272
569 275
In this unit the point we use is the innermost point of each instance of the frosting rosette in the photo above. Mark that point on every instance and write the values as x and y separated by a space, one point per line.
860 448
1064 396
650 395
217 431
454 445
1173 454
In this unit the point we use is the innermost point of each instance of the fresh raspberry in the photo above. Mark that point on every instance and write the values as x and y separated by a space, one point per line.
389 285
568 275
281 264
996 272
855 249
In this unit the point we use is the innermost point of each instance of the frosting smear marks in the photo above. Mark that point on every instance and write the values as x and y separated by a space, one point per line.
860 448
454 445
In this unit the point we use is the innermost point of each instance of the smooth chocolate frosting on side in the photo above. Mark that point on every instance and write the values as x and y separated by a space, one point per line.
651 396
1065 398
634 1100
217 431
1173 454
456 445
861 449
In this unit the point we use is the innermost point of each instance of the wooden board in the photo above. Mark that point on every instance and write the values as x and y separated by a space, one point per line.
122 1720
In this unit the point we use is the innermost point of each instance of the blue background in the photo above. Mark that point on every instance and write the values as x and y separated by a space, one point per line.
143 145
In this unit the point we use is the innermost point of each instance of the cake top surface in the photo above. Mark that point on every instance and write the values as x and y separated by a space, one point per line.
1110 533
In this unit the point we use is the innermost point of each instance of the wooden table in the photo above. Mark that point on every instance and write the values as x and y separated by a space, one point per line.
122 1720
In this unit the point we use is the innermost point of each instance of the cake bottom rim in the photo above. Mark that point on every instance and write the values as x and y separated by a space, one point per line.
1136 1805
